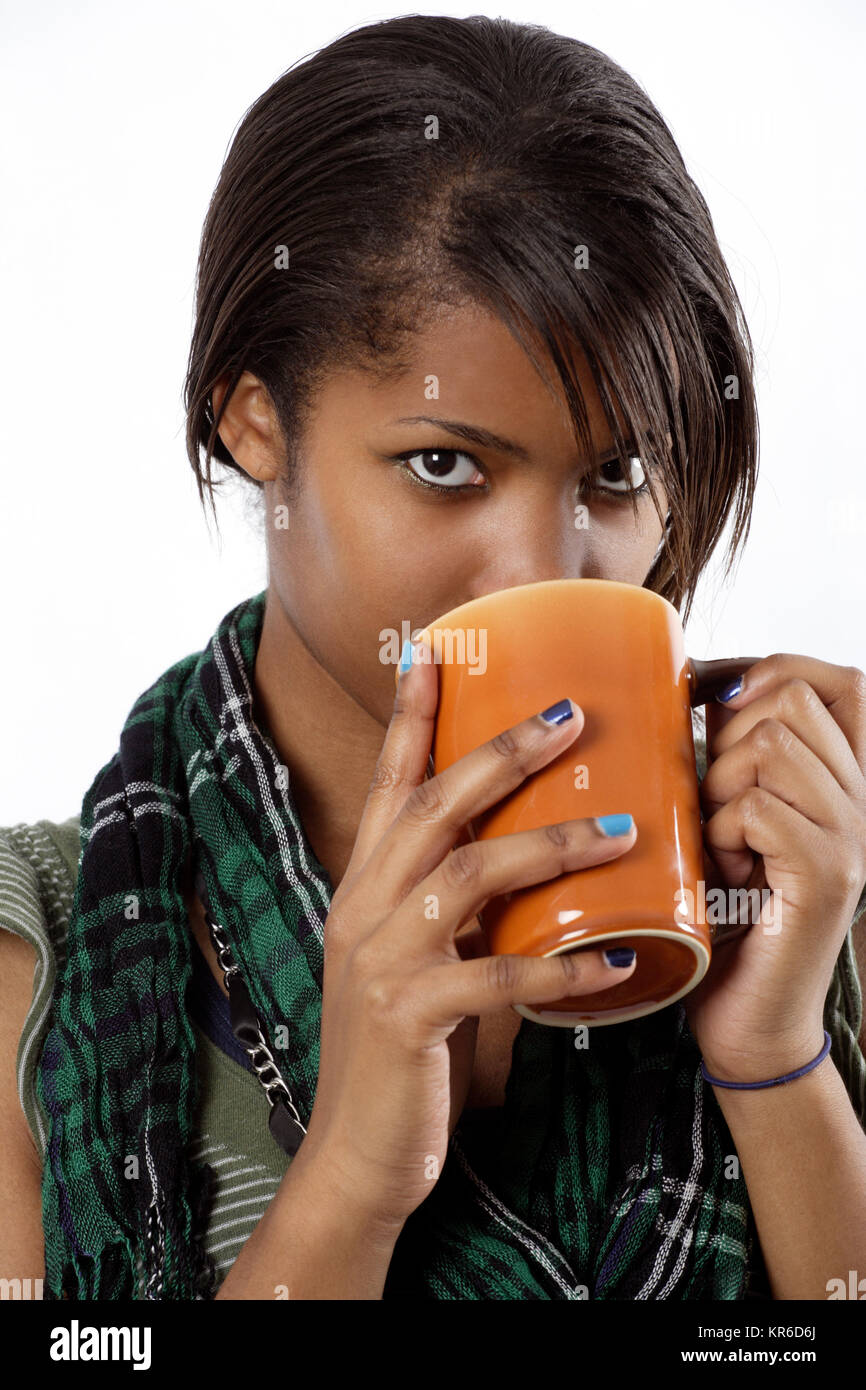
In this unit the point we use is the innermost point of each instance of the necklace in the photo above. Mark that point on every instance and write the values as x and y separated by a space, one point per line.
284 1122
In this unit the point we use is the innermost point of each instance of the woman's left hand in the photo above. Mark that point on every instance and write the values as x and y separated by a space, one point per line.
784 801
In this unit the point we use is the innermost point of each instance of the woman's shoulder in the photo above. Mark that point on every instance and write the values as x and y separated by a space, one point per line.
38 872
38 869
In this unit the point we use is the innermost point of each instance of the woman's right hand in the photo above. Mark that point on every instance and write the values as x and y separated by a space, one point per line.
392 1081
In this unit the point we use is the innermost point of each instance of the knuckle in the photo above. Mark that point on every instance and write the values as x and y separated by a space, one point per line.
573 965
852 877
857 679
505 744
386 777
776 662
503 972
771 736
462 866
380 996
754 804
797 695
557 835
426 802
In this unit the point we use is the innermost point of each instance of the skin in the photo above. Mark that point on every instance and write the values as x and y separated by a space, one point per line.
784 799
366 549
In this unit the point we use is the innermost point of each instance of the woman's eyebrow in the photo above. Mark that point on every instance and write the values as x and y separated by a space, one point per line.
486 439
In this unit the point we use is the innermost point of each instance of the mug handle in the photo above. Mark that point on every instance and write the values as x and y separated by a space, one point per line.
707 678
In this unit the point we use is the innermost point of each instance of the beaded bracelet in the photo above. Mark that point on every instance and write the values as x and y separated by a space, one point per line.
776 1080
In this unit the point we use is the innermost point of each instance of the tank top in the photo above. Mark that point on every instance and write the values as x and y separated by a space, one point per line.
38 868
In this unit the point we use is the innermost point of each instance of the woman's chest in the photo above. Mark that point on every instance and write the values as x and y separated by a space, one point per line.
492 1066
496 1032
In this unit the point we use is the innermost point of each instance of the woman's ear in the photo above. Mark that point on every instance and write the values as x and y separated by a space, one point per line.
249 427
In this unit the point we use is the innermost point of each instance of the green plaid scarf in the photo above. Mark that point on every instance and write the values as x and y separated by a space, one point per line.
604 1176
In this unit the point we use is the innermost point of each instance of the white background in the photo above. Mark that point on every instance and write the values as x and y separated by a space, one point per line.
116 120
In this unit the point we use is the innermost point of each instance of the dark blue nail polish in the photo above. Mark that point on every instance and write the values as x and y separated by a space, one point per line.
558 713
731 690
619 956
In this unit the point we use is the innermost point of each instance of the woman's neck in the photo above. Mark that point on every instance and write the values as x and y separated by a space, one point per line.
328 742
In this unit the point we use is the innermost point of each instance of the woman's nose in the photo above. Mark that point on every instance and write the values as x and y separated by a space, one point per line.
543 548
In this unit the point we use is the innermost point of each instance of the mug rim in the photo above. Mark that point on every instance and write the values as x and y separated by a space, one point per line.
550 1018
446 619
649 596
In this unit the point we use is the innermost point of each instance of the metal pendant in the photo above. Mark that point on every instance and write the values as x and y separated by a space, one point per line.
285 1129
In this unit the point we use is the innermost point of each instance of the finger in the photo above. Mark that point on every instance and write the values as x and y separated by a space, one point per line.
487 986
717 716
431 817
796 705
738 916
758 821
740 868
473 874
734 866
707 678
841 689
403 760
771 756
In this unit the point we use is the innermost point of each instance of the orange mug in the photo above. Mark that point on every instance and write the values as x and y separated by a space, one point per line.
617 650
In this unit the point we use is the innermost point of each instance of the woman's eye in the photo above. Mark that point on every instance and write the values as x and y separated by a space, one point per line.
612 470
438 468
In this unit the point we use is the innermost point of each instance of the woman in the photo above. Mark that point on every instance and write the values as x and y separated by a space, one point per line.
454 282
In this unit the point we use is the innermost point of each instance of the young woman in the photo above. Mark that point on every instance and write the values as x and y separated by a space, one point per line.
454 280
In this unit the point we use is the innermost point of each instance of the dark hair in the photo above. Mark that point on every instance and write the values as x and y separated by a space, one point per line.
544 145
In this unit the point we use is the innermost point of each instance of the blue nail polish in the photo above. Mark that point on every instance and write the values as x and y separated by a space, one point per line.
558 713
619 956
614 825
730 690
405 657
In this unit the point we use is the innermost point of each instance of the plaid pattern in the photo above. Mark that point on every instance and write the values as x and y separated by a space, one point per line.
606 1175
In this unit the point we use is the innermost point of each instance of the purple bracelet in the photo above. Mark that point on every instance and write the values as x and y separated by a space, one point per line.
776 1081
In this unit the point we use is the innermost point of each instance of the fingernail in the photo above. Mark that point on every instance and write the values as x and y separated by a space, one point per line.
730 690
558 713
405 657
614 825
619 956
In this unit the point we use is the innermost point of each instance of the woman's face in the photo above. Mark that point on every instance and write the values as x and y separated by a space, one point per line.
365 548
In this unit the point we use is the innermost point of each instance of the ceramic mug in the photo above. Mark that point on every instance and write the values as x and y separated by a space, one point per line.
617 650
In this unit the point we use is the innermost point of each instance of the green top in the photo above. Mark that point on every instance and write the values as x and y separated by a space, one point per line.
38 869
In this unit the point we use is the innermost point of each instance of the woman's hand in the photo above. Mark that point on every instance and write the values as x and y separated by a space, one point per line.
784 799
393 1074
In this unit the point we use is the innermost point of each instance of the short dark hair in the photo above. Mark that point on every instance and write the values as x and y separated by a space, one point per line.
544 145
